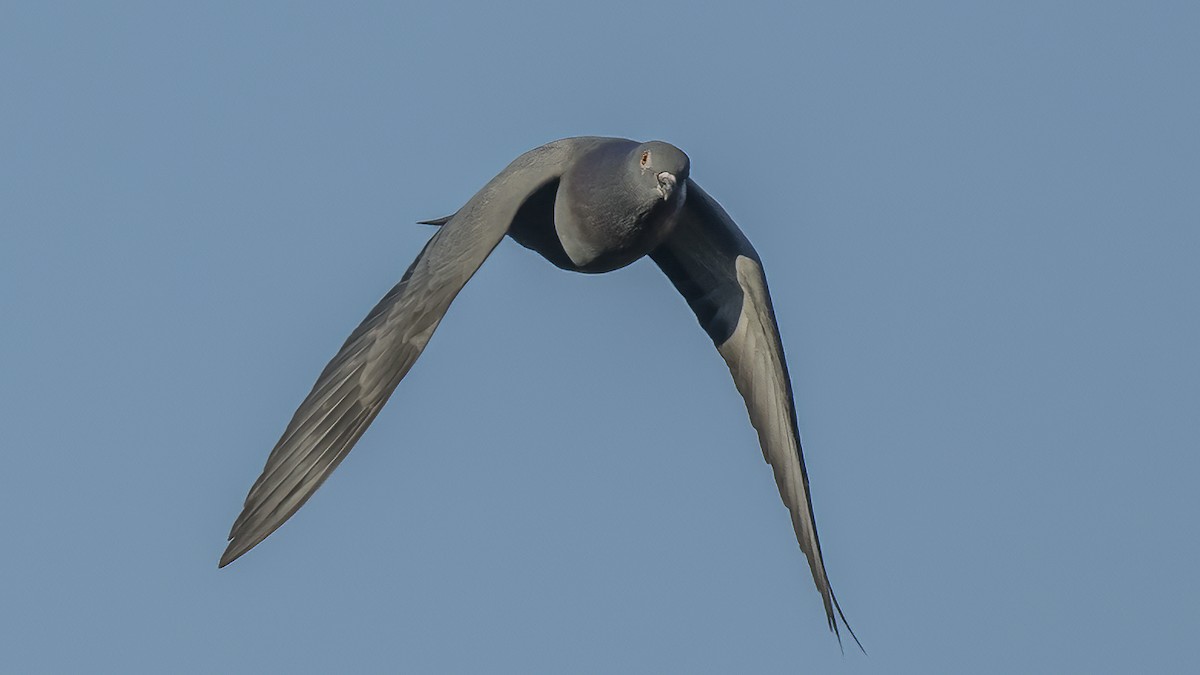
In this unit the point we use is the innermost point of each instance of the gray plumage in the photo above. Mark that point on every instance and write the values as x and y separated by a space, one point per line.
586 204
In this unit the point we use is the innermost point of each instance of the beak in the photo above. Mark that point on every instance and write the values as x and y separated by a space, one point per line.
666 183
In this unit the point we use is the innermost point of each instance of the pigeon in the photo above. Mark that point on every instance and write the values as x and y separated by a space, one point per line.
586 204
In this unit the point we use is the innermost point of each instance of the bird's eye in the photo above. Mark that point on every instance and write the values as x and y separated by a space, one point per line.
645 157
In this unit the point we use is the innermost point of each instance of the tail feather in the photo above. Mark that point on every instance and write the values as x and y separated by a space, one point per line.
437 221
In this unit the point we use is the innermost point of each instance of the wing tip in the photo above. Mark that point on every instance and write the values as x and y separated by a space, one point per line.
833 626
241 540
232 552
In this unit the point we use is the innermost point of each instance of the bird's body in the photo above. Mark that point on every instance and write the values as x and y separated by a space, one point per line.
586 204
604 224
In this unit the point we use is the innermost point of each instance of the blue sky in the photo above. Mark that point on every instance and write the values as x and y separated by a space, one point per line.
981 226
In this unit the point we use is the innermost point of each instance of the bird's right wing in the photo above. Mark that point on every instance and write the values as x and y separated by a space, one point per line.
718 272
354 386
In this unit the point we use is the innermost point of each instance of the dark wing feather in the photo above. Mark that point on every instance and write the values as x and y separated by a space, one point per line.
718 272
358 381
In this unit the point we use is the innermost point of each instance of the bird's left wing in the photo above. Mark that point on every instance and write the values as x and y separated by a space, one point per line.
354 386
718 272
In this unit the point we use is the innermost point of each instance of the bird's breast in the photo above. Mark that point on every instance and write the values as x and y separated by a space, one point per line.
600 236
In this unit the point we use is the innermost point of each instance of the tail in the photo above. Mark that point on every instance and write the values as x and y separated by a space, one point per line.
438 221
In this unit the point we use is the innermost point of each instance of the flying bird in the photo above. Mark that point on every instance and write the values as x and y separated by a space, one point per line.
586 204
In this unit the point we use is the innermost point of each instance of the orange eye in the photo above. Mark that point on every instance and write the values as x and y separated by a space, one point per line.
645 157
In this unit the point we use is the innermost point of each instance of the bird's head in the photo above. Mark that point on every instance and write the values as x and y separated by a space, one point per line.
662 166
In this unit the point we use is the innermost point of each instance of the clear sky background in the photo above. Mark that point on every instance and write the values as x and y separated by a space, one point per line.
982 231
